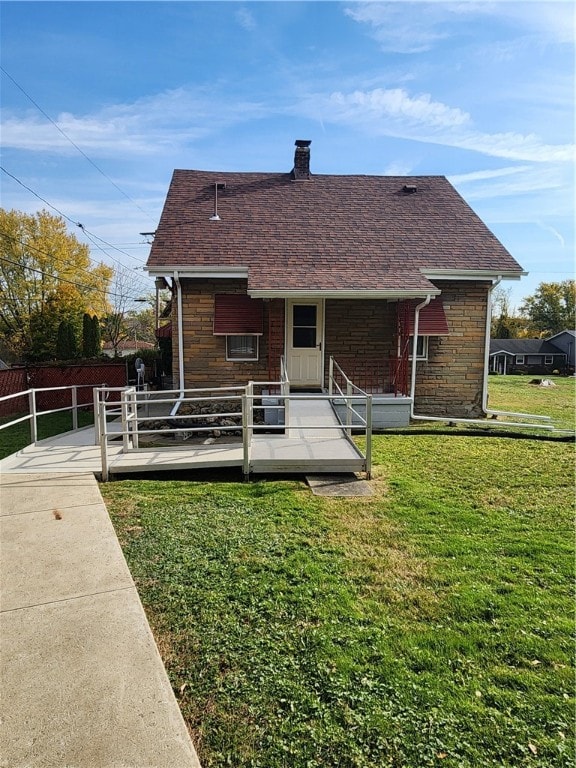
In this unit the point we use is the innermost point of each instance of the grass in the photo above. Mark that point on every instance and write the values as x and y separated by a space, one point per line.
428 625
515 393
13 439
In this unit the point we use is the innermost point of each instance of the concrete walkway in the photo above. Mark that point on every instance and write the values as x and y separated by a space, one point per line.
83 684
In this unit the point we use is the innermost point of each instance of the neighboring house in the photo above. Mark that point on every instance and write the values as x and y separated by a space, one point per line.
527 356
565 341
125 347
304 266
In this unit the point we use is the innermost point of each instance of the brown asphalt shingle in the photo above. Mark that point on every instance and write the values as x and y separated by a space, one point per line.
324 233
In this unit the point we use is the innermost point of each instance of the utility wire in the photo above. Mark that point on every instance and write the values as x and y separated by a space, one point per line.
57 278
84 155
76 223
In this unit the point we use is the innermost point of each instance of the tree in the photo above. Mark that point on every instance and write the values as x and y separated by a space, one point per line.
38 258
552 308
65 304
114 329
96 335
506 324
90 336
66 348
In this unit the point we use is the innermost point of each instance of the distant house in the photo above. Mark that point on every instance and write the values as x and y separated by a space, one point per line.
535 356
566 342
306 267
126 347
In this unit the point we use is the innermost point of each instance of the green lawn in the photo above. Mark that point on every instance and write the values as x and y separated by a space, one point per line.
13 439
429 625
516 393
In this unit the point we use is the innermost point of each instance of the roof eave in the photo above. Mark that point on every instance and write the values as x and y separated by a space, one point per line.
344 294
472 274
208 271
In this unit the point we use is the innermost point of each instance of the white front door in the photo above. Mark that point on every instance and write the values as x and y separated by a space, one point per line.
304 340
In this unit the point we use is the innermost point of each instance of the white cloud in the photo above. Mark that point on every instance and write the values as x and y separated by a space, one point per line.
496 173
398 168
553 231
246 19
395 104
394 112
412 27
152 125
511 181
397 29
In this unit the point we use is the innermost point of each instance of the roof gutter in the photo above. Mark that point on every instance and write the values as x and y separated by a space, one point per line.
300 293
447 419
178 403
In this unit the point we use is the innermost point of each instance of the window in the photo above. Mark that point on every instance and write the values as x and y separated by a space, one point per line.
519 360
304 326
421 348
242 347
548 359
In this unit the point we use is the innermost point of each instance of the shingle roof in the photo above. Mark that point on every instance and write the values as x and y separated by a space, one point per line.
524 347
356 233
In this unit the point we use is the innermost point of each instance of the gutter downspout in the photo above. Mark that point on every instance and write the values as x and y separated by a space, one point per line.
178 402
487 331
458 420
415 349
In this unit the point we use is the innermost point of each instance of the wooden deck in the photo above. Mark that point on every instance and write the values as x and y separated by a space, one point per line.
325 449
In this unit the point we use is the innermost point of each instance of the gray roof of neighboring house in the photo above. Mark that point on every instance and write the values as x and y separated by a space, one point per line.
524 347
561 333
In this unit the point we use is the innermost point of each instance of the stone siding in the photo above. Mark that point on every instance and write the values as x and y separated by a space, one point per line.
360 328
205 363
450 382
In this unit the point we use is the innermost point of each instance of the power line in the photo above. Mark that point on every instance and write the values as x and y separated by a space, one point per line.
84 155
57 278
76 223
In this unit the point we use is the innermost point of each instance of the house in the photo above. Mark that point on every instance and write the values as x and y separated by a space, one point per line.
528 355
565 342
309 267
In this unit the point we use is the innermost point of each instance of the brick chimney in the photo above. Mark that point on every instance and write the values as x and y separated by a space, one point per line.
302 160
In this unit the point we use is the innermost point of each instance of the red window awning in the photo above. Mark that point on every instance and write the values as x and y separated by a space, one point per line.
164 332
432 320
236 314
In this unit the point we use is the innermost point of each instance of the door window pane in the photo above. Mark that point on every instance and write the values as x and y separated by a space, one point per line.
304 337
304 314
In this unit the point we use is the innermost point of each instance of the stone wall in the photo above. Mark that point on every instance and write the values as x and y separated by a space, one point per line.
450 382
360 328
205 363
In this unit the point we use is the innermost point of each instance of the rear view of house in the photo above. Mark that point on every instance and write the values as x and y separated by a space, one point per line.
309 267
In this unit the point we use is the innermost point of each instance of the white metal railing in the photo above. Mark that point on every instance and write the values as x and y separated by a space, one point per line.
34 413
132 417
352 397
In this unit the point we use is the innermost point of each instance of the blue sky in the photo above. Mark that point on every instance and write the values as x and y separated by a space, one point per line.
102 100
